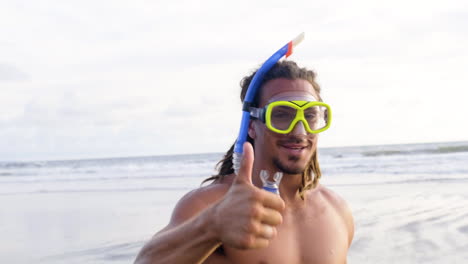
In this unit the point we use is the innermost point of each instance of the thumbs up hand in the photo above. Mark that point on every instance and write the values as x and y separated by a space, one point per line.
246 218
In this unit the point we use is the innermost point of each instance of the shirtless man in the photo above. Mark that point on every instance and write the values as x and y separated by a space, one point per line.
233 220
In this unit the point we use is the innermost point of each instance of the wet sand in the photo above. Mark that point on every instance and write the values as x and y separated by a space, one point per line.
402 223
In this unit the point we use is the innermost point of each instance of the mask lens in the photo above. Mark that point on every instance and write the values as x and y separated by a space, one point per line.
282 116
316 116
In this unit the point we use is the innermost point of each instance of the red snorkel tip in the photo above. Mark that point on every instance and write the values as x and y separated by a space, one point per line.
290 49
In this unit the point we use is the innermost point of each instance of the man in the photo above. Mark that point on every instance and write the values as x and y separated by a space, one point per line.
232 220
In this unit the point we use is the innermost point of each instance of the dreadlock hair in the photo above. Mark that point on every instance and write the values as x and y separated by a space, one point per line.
282 69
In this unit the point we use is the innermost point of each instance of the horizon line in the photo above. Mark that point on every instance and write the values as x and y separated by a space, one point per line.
208 153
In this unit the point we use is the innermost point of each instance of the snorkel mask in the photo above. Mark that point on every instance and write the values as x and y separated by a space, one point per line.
282 116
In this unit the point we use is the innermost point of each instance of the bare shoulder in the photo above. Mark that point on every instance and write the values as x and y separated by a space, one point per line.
334 199
341 207
197 200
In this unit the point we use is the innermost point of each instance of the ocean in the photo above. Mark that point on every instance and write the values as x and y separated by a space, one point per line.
410 203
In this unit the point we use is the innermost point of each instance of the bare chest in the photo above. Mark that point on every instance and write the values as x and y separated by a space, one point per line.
315 235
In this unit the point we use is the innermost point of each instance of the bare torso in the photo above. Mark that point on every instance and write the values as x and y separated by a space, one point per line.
317 230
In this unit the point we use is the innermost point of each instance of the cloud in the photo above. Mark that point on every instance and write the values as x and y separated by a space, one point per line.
11 73
94 79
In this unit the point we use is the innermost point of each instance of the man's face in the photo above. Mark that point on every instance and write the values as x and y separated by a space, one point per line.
289 153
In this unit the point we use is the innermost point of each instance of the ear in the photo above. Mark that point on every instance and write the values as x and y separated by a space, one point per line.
251 131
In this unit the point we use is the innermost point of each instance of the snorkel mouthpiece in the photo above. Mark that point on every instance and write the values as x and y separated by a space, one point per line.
268 185
286 50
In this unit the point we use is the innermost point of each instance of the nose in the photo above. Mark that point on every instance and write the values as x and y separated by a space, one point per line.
299 129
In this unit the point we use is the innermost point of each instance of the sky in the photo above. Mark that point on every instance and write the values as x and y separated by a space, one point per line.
93 79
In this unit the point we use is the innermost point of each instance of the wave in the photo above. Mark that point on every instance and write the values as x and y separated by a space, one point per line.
103 190
384 153
410 181
126 177
22 165
437 150
452 149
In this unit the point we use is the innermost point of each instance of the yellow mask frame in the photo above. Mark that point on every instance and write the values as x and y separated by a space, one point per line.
265 115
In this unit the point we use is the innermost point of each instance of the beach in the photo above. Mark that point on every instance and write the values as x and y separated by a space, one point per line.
410 203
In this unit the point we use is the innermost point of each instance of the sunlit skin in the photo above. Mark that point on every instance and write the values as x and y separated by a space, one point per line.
251 225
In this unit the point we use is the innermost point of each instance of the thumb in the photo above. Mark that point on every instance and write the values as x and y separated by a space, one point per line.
245 170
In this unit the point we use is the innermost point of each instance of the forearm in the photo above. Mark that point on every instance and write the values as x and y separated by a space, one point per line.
190 242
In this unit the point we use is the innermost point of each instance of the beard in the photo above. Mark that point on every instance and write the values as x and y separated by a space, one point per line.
293 164
295 168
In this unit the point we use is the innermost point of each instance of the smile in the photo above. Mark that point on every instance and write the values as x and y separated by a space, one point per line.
294 149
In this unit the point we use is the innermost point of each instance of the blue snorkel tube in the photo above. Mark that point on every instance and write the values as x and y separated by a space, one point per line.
286 50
